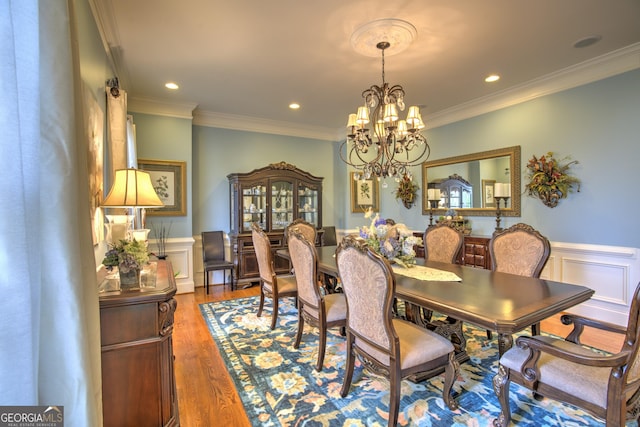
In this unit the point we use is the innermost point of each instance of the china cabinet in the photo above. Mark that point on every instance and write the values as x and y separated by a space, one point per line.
455 192
273 196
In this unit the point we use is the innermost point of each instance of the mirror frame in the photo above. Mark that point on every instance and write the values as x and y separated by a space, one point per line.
514 162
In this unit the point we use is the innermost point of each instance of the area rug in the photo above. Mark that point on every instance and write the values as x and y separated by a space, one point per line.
279 385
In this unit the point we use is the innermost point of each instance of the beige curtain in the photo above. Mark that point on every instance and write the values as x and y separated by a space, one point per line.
49 317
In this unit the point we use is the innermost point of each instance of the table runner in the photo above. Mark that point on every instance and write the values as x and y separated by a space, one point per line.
427 273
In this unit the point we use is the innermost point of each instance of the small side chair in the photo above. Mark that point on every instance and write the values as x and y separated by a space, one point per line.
213 257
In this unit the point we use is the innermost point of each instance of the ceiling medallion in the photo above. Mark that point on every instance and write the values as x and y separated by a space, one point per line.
398 33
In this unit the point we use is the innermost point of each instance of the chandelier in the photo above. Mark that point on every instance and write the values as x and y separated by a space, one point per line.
378 144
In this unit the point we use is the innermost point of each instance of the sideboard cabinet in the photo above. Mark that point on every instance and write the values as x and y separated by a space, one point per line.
138 381
273 196
474 252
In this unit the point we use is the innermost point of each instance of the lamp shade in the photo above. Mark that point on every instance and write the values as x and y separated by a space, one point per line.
132 188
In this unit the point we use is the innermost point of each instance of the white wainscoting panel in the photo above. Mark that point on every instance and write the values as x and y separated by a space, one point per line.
612 271
180 253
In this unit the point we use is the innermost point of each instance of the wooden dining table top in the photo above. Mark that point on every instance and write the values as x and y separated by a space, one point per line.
501 302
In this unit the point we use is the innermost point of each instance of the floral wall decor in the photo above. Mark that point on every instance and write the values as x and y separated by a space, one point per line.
407 191
549 180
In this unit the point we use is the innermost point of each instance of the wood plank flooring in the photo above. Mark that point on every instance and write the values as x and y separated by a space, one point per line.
206 393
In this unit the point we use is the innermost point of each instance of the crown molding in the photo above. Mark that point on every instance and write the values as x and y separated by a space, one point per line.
608 65
161 108
254 124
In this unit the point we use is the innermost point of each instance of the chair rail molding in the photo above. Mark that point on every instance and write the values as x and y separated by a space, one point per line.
180 253
612 271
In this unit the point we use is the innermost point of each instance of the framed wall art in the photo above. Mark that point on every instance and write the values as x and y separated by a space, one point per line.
169 179
488 188
365 194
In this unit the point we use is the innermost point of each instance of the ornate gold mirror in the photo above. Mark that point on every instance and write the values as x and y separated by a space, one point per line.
467 183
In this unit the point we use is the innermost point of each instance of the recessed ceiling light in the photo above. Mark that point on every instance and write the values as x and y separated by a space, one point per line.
492 78
294 105
587 41
171 85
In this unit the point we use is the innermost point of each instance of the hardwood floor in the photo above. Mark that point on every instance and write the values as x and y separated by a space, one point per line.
206 393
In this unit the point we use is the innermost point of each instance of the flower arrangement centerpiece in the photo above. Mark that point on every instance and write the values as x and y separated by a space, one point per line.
129 256
407 191
549 180
395 242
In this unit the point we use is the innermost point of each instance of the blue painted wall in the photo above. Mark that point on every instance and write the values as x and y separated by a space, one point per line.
597 124
219 152
167 138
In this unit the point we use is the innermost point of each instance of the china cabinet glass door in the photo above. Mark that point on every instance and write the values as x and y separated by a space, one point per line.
308 204
254 206
281 204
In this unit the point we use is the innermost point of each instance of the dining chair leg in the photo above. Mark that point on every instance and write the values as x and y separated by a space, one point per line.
348 371
261 305
296 343
274 314
322 345
394 398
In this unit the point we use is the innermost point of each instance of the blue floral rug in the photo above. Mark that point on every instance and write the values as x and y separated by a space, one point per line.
279 385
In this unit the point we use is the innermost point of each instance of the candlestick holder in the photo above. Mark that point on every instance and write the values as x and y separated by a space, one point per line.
499 200
432 205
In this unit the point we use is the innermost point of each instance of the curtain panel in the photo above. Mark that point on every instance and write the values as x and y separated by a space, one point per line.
49 314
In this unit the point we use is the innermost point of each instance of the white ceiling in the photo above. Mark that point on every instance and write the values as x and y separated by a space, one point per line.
246 60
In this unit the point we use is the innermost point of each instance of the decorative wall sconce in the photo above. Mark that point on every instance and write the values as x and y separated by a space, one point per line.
550 181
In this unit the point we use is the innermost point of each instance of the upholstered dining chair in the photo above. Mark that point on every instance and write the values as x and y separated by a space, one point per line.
605 385
271 285
388 345
521 250
213 257
306 228
321 311
442 243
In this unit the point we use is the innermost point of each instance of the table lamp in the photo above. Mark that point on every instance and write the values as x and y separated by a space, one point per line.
132 188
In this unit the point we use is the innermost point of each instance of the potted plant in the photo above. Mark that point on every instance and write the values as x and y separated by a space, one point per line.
129 256
407 191
550 181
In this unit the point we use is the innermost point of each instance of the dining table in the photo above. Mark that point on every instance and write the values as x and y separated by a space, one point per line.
500 302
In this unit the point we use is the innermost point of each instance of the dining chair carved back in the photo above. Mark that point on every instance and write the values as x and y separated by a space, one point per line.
271 285
605 385
521 250
306 228
321 311
390 346
442 243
